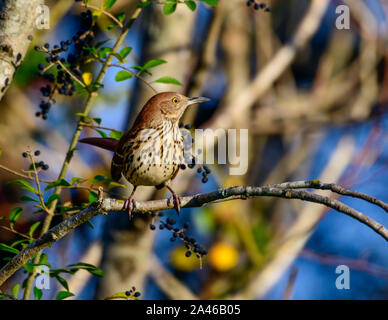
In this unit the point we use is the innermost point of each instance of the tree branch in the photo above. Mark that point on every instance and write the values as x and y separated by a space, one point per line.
103 206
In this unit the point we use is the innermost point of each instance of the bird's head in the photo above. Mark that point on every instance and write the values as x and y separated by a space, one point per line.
171 105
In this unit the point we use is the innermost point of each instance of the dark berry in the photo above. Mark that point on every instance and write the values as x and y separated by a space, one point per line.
183 167
37 152
137 294
188 254
127 293
24 154
45 167
152 227
188 126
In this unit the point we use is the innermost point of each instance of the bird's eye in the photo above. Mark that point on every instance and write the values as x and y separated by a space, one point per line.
175 100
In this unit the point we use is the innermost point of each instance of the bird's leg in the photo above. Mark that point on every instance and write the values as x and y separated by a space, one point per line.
175 199
130 203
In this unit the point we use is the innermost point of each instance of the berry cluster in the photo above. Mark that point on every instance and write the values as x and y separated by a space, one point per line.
191 244
40 164
191 162
133 293
258 6
62 81
205 172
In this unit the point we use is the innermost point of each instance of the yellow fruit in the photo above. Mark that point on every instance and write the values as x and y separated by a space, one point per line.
87 78
182 263
223 257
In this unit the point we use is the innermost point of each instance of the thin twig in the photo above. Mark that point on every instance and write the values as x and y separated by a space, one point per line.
104 12
16 232
36 178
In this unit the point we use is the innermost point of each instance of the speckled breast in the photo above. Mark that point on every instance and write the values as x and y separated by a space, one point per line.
155 156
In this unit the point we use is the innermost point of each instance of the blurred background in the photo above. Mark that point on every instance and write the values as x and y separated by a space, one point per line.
314 99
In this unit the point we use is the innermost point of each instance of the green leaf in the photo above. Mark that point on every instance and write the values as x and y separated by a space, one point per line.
114 184
37 293
52 198
60 182
97 120
89 224
33 228
121 16
28 267
213 3
116 134
144 4
63 282
93 197
153 63
88 267
102 133
191 5
168 80
14 215
118 57
103 52
21 241
125 52
15 290
76 180
101 43
27 198
63 295
4 247
119 295
98 178
25 185
43 258
108 4
123 75
169 8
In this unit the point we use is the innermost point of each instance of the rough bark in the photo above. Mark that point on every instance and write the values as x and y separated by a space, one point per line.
18 21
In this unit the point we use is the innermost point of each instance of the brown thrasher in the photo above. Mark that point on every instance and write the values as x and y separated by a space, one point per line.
151 152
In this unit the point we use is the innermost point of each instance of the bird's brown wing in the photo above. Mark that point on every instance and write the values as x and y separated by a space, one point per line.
117 164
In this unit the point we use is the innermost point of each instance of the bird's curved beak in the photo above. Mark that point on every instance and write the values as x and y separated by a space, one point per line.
195 100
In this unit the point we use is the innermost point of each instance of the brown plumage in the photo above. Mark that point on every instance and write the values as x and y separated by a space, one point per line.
150 153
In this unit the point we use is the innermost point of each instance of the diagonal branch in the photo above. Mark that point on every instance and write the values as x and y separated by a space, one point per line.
103 206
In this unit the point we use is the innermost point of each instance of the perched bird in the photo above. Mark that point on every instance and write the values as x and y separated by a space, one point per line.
151 152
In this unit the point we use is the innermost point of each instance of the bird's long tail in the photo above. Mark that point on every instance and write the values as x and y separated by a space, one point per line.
104 143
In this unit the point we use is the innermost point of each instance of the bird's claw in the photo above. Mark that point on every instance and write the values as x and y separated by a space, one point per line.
130 204
176 201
